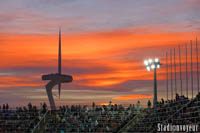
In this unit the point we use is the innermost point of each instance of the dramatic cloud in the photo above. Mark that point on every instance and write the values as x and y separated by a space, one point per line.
104 44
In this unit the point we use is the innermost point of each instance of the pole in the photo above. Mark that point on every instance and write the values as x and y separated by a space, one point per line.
155 88
167 74
175 70
59 61
180 69
59 52
186 72
171 75
191 69
197 65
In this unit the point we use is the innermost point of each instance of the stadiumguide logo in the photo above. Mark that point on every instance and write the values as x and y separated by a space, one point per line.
176 128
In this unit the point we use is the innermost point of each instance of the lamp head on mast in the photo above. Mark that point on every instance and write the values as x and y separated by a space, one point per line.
152 64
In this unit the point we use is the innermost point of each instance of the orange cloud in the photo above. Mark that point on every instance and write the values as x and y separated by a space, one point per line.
129 97
18 49
104 82
17 81
105 49
22 85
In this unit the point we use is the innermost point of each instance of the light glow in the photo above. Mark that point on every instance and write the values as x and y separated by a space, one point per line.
150 60
156 60
152 66
146 62
148 68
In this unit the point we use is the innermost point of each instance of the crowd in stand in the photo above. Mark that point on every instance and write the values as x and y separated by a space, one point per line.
21 119
180 111
84 119
189 114
103 118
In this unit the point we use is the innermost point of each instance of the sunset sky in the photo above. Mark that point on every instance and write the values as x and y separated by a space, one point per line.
104 44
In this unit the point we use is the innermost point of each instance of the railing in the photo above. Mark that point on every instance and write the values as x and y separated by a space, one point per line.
100 117
40 124
186 110
135 119
174 113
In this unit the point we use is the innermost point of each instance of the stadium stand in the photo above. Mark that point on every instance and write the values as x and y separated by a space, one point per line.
20 120
111 118
180 111
84 119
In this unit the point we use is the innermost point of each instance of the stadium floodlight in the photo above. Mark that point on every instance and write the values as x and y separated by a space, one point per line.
148 68
146 62
156 60
153 64
150 60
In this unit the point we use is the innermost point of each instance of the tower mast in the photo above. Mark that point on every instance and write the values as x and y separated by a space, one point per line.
175 70
180 69
191 70
167 74
59 61
197 65
59 53
186 72
171 75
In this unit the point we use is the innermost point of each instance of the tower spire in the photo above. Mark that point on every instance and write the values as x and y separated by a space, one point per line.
59 52
59 61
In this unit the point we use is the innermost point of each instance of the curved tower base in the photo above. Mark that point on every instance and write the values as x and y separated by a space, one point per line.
49 88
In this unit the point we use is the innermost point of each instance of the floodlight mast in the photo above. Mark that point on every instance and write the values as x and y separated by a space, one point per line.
153 64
